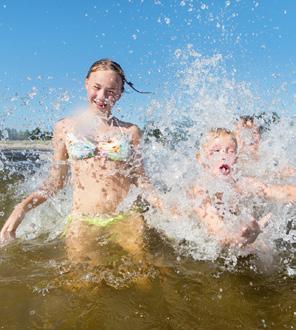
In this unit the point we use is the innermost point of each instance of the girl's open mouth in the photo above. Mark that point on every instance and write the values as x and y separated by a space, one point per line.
224 169
100 103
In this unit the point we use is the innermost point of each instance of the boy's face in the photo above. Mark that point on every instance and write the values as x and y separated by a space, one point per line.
218 156
248 137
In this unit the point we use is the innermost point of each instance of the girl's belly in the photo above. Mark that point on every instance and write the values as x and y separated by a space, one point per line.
93 197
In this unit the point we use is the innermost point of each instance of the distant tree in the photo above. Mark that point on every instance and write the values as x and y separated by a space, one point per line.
37 134
26 134
47 136
12 133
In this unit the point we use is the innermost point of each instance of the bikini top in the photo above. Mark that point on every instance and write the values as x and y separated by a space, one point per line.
117 149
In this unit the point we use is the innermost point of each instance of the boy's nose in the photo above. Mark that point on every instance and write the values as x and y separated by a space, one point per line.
224 155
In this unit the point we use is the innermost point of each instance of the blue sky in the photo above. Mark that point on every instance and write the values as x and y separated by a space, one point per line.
47 47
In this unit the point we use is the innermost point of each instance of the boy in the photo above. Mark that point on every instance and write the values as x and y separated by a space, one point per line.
217 158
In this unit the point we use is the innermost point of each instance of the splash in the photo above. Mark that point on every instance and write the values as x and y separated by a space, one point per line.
207 95
210 96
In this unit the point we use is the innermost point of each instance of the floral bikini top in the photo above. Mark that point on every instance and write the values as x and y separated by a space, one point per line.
117 149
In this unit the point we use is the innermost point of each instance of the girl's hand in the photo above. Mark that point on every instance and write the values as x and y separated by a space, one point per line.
9 228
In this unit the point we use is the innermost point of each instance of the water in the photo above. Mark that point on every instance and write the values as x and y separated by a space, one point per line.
191 286
38 291
186 294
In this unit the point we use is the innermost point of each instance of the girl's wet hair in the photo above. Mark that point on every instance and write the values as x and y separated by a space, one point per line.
107 64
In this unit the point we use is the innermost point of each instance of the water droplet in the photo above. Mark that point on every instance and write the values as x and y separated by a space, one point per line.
167 20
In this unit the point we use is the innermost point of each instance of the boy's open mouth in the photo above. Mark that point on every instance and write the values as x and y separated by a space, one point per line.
224 169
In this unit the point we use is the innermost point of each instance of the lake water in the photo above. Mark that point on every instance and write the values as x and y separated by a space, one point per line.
39 290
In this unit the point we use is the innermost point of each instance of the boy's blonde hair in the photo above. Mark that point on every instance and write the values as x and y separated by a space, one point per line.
214 133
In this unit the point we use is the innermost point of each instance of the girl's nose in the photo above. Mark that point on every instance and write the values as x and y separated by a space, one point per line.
101 95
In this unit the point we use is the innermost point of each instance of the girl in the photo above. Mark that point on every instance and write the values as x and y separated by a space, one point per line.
102 154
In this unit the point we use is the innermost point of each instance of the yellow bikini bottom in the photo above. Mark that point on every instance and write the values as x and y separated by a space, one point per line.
105 221
100 221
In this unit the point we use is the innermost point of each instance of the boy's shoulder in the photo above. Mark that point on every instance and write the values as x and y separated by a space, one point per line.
196 191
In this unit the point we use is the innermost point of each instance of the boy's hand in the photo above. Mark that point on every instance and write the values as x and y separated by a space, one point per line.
264 221
250 233
9 228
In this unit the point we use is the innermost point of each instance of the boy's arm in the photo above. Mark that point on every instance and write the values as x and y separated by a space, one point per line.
287 172
52 184
285 193
215 225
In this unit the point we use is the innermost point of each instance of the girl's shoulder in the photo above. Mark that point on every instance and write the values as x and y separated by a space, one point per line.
125 125
132 130
64 126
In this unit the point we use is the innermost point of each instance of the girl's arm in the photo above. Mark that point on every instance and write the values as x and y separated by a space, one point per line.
52 184
138 175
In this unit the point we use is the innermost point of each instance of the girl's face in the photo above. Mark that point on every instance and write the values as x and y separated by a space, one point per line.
103 90
219 155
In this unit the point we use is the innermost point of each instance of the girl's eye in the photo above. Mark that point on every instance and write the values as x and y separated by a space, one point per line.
231 151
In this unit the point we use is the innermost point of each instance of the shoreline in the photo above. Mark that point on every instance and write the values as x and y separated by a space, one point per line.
11 145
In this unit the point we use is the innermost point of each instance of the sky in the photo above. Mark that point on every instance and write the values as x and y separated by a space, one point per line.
48 46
